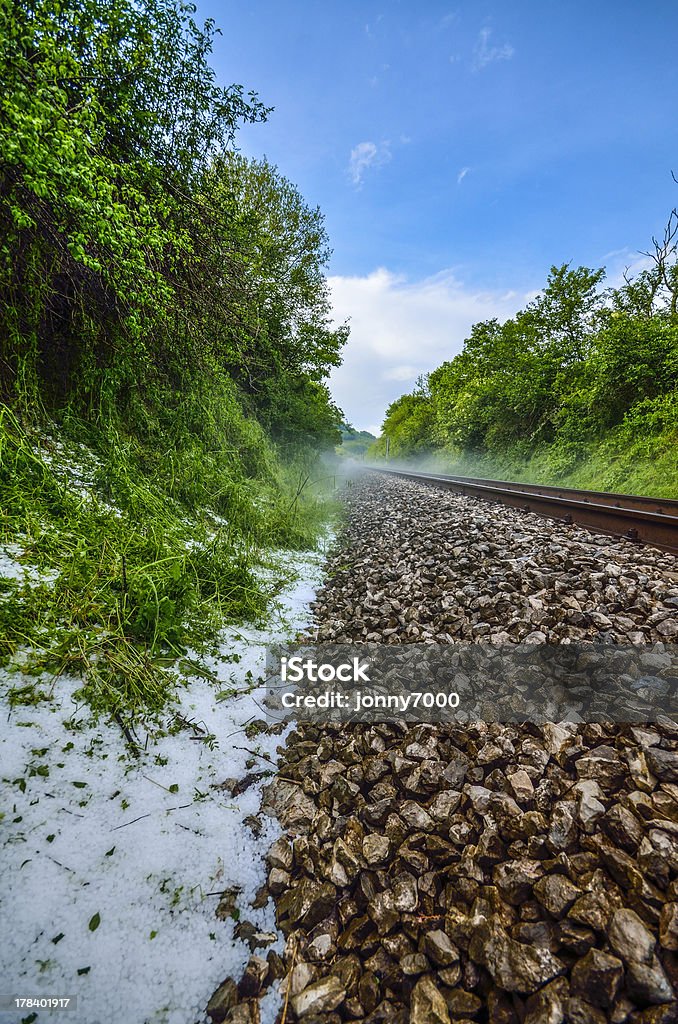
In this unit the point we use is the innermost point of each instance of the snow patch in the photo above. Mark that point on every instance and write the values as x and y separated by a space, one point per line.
112 865
21 572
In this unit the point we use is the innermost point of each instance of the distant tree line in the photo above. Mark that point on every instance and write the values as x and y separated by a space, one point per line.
354 443
579 364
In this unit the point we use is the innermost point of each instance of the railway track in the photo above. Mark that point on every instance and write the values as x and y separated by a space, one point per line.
633 517
527 872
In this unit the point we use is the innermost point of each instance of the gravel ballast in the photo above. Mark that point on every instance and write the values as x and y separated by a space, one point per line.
515 874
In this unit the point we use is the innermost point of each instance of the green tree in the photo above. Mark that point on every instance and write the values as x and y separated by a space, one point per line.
109 111
408 425
576 362
139 255
266 302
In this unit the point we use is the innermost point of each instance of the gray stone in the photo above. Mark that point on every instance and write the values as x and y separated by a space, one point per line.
240 1014
439 948
593 909
668 926
563 831
623 827
289 804
479 797
376 848
300 977
515 879
415 815
589 806
280 854
579 1011
521 784
647 983
253 979
223 999
629 937
383 912
427 1005
548 1005
404 892
603 765
278 881
307 903
320 997
513 966
556 893
663 763
597 977
558 736
445 804
414 963
462 1004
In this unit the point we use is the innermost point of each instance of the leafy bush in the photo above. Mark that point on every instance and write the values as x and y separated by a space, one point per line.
165 308
579 377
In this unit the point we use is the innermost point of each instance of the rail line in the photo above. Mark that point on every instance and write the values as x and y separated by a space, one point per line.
633 517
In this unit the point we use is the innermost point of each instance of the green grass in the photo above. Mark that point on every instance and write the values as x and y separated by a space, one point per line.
140 557
640 466
627 460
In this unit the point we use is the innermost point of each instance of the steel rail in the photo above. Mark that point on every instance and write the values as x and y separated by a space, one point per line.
641 519
668 506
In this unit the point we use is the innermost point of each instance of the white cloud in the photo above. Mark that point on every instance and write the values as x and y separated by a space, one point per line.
485 54
621 262
368 26
366 155
401 329
448 19
401 373
462 174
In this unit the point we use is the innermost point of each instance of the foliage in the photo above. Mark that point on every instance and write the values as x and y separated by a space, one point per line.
269 313
410 419
165 307
138 252
579 375
102 104
354 443
121 572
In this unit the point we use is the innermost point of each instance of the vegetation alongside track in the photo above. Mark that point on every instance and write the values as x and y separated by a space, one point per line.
164 338
580 388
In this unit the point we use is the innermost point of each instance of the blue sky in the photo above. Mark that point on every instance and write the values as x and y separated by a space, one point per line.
457 151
